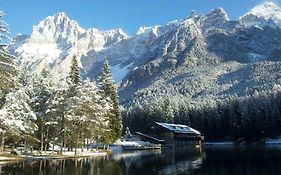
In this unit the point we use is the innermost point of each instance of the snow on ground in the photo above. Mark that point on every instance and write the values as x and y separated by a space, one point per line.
6 158
79 152
85 153
118 72
55 147
50 154
5 162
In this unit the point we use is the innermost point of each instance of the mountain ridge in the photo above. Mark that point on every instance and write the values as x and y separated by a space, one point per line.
176 49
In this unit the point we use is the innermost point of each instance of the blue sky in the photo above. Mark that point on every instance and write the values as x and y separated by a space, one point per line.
129 15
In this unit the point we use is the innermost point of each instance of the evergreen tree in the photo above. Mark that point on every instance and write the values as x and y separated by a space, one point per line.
109 89
74 74
168 111
87 114
16 116
74 119
3 28
7 72
42 90
59 105
7 66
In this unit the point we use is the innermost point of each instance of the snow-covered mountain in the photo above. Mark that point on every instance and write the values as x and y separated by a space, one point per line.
266 14
197 57
56 40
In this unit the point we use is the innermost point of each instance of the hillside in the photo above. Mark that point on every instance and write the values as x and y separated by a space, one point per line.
195 59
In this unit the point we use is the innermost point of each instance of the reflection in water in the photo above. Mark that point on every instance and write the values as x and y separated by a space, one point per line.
182 160
167 161
172 161
254 160
83 166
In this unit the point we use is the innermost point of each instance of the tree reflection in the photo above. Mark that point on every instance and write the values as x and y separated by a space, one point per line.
185 161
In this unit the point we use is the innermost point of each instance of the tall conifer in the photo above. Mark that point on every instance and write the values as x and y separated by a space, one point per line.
110 92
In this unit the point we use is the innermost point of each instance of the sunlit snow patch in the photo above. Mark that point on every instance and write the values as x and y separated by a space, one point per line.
35 51
254 57
118 72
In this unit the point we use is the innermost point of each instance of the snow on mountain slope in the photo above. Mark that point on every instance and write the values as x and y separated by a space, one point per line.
199 52
46 51
119 72
266 14
56 29
215 19
267 10
56 40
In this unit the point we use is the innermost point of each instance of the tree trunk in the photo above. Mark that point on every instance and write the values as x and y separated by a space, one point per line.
87 144
76 144
42 139
63 134
25 145
47 135
82 137
2 142
53 149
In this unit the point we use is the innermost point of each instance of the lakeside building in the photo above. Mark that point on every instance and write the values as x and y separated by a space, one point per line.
170 134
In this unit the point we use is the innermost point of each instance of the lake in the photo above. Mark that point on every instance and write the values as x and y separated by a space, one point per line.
213 160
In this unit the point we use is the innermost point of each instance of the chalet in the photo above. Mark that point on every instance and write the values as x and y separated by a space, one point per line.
170 134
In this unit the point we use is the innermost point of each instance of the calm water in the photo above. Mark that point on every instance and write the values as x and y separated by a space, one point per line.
212 160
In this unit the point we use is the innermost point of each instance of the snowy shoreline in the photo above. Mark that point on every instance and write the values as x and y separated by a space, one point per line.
49 155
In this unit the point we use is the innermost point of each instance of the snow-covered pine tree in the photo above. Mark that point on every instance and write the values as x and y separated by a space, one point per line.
74 74
168 111
87 113
16 116
7 66
109 89
3 28
58 106
74 82
42 90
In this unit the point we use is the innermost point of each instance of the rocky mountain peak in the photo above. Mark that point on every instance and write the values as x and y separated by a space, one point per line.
218 13
203 54
266 10
265 14
59 17
56 28
215 19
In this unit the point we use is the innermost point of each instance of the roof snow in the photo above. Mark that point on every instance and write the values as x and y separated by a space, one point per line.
177 128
